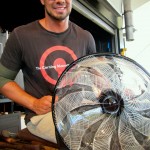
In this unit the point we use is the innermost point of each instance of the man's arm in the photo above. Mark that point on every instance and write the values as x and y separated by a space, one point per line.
13 91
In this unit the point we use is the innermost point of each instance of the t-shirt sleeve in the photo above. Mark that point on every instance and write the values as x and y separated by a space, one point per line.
91 44
6 75
11 56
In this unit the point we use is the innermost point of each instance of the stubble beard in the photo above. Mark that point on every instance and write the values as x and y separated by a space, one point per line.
58 17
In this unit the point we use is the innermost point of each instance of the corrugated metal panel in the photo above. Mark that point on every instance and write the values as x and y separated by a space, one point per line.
92 16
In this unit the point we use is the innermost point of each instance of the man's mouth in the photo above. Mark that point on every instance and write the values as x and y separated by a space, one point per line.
60 9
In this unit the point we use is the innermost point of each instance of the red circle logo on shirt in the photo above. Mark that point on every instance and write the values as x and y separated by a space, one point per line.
61 61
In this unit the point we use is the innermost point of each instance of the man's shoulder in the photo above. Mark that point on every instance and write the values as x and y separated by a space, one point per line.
26 27
79 29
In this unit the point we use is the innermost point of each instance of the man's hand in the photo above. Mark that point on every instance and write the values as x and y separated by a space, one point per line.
43 105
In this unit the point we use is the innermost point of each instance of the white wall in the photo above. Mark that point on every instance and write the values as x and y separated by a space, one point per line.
117 5
139 49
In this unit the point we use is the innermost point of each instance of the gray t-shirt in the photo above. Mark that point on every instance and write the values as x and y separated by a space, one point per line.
42 55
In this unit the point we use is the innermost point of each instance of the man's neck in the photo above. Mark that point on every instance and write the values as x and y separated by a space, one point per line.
55 25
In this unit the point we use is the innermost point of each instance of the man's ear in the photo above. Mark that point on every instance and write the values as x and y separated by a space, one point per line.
42 2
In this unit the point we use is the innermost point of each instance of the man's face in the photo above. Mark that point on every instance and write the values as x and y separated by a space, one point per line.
57 9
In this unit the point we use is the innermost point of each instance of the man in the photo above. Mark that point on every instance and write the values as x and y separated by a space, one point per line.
42 50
